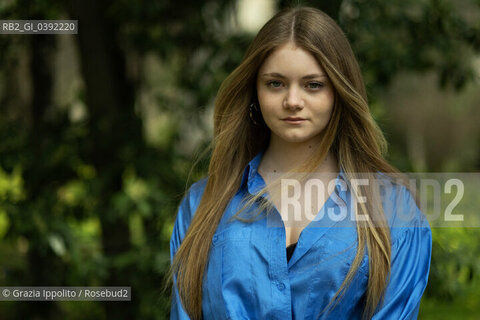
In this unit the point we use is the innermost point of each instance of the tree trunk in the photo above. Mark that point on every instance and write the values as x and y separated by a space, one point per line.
109 97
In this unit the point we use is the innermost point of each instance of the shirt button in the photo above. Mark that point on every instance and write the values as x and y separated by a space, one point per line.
280 286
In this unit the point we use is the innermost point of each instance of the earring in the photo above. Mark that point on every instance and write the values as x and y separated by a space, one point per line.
253 108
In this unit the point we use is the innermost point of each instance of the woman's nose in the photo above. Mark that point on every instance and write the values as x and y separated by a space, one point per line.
293 99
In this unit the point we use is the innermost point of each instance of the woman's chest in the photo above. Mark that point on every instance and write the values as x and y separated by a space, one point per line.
298 205
248 276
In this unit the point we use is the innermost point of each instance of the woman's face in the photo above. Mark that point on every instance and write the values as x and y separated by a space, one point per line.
296 97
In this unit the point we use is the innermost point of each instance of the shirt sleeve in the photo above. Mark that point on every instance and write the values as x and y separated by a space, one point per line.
410 264
177 311
185 213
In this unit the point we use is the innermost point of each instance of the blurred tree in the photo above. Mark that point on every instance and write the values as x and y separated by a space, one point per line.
95 169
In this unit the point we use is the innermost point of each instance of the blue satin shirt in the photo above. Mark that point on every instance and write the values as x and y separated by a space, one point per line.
248 275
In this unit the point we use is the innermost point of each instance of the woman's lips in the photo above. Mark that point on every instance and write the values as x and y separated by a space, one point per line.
294 120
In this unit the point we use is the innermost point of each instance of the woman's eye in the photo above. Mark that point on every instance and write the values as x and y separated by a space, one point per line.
274 84
314 85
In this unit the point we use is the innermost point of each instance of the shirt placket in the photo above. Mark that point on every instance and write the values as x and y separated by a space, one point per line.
278 273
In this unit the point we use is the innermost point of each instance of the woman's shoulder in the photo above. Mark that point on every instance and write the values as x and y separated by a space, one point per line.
197 188
402 210
186 210
191 199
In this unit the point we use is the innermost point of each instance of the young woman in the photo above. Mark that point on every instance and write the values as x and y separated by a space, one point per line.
296 108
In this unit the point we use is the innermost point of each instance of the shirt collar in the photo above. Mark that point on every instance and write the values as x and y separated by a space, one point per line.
254 181
341 186
250 172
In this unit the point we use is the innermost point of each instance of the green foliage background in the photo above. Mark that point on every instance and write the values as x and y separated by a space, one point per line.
99 131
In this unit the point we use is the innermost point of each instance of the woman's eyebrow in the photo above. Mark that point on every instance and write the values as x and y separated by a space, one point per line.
279 75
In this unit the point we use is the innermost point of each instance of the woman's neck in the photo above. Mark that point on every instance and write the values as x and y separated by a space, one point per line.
281 157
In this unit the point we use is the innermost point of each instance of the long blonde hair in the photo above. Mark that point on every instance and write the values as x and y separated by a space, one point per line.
351 134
